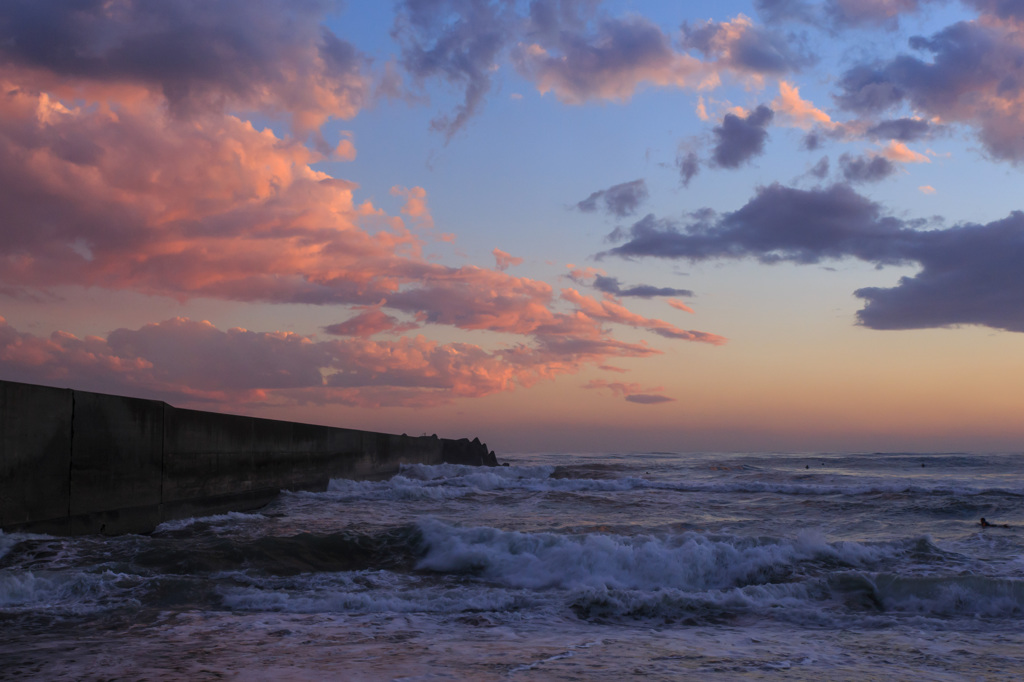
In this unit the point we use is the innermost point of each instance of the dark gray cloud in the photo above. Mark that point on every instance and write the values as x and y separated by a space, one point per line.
549 18
200 54
844 13
836 15
755 50
740 139
611 285
1004 9
902 129
779 11
608 60
820 169
971 74
812 141
689 166
582 55
459 41
619 200
648 399
868 90
779 224
970 274
865 168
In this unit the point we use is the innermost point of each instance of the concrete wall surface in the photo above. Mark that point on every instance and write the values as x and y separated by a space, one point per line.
35 453
74 462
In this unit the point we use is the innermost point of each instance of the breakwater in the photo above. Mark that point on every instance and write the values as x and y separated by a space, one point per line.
75 462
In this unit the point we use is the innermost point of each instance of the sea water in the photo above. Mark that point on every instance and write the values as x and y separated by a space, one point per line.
557 567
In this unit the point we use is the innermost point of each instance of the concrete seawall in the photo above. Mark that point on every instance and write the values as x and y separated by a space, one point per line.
74 462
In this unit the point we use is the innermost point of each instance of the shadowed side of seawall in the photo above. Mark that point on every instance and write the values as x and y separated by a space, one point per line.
76 462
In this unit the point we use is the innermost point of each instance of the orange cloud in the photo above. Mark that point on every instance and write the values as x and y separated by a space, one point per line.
799 112
702 109
901 153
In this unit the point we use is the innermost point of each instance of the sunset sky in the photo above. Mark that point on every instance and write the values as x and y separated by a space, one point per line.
552 224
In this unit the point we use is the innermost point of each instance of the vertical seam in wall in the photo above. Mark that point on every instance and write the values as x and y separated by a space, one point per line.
71 453
163 454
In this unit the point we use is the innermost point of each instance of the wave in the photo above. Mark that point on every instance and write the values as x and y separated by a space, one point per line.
230 518
840 599
368 592
73 592
962 595
449 481
686 577
687 561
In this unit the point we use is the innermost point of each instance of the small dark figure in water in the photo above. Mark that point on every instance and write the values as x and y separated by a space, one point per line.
986 524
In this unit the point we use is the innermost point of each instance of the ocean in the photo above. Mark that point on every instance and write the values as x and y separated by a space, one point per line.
561 566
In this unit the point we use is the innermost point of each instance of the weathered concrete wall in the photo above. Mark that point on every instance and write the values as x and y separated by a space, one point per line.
77 462
116 463
35 453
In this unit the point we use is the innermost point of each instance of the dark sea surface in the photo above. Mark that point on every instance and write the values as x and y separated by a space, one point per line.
558 567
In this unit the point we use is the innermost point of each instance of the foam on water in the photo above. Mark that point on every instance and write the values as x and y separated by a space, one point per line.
688 561
76 592
556 568
230 518
449 481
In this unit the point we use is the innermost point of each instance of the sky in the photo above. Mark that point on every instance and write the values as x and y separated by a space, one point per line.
557 225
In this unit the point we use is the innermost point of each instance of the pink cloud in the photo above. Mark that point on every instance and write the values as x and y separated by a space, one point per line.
193 361
617 388
504 260
611 311
117 179
415 205
631 392
369 323
740 49
612 64
679 305
968 73
197 56
345 151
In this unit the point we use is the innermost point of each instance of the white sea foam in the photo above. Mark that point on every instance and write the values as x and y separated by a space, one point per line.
64 591
687 561
213 520
398 488
7 542
447 481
